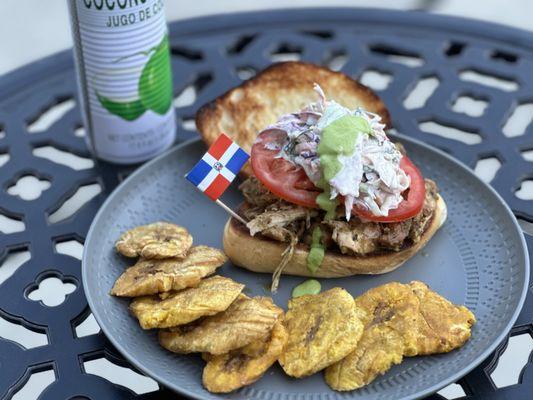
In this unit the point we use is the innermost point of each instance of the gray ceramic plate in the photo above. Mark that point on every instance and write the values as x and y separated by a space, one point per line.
478 258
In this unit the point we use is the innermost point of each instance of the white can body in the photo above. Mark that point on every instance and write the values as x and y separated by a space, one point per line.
124 77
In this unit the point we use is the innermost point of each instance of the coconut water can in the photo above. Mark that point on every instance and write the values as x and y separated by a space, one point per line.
124 77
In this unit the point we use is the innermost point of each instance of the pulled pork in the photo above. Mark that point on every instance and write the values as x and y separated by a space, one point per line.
279 214
354 237
286 222
256 194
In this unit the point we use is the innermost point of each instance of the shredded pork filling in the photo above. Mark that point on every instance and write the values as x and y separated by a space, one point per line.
283 221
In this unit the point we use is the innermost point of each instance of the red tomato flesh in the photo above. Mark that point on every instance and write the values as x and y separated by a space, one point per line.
290 182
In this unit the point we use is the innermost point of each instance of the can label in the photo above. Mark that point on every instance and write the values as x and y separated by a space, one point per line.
125 77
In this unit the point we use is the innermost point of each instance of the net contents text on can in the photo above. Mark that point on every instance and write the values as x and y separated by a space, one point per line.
124 77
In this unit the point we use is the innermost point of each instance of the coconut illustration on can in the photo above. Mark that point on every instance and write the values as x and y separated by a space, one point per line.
125 78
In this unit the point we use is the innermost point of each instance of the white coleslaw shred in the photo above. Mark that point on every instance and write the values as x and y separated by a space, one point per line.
370 177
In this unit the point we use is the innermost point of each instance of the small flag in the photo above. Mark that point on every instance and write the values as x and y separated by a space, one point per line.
218 167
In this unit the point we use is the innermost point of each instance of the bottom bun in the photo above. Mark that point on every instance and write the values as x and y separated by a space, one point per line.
260 254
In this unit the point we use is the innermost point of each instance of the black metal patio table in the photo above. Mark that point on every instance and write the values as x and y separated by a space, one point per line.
398 53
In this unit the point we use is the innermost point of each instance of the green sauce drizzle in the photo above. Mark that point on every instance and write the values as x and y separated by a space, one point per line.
316 254
338 138
311 286
325 202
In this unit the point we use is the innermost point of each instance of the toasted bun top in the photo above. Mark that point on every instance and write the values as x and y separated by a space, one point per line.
280 89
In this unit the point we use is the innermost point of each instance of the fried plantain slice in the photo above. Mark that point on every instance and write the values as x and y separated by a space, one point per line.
157 240
156 276
246 320
227 372
323 329
211 296
401 320
387 309
443 326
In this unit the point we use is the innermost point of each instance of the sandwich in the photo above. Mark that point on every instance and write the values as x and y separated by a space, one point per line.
327 193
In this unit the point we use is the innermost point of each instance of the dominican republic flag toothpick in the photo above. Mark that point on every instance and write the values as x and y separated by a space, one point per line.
217 169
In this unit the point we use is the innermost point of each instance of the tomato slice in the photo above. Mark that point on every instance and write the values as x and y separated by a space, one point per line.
291 183
283 178
413 198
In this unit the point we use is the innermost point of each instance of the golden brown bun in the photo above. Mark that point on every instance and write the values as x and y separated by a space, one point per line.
280 89
260 254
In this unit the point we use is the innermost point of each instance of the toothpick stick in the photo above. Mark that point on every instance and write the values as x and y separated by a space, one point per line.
231 212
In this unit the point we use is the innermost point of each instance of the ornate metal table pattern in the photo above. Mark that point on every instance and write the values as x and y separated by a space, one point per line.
425 67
